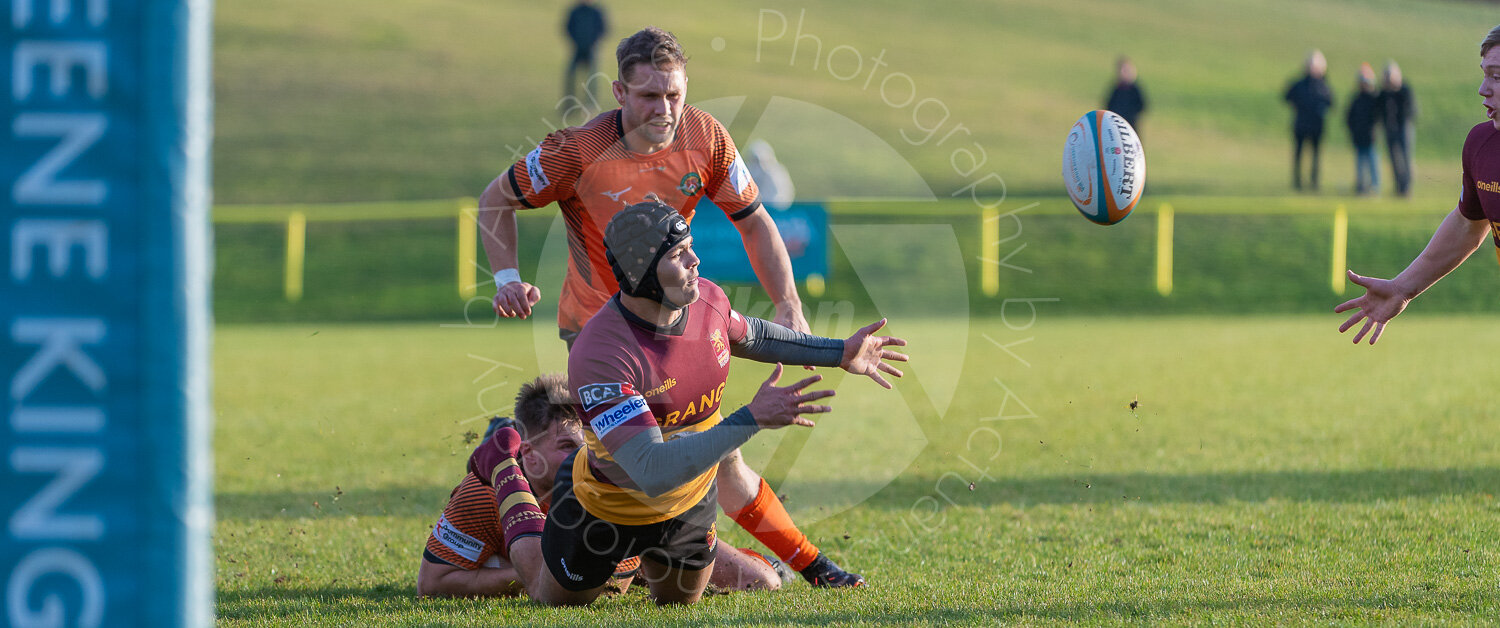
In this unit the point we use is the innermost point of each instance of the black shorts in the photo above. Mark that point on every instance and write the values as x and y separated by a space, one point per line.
582 550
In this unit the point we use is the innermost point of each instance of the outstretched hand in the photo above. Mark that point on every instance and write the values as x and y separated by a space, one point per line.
1380 303
775 406
514 300
866 353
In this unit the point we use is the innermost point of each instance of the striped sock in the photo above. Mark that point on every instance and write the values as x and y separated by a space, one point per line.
519 514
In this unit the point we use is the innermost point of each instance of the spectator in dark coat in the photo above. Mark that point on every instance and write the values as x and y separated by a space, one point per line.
1126 98
1310 99
1361 119
1398 109
585 27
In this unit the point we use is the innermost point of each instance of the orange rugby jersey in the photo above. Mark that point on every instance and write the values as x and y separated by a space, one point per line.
590 174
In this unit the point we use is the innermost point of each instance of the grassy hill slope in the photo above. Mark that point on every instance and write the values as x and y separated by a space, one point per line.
342 100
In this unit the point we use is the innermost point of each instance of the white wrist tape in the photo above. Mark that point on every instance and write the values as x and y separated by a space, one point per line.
505 276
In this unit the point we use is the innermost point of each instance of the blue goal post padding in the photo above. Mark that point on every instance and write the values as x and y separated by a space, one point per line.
105 467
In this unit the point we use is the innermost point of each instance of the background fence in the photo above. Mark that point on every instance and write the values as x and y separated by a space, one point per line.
391 261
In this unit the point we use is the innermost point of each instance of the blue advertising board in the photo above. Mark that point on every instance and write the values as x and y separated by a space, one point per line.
721 253
104 314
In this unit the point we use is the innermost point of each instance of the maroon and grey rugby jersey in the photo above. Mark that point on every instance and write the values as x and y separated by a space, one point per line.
630 376
1480 199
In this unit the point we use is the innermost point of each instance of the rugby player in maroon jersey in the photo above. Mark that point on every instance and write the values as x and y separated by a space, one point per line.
649 372
654 146
461 557
1461 233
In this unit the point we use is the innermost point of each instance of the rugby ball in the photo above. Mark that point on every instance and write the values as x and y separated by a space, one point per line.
1103 167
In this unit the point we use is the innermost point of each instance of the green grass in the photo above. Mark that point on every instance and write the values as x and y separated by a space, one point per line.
1272 475
344 100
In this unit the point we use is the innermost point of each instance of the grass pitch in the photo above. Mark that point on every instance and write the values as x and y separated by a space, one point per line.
1271 474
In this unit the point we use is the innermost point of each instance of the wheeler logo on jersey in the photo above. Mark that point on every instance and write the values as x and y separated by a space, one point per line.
592 395
534 170
633 406
739 175
721 350
690 184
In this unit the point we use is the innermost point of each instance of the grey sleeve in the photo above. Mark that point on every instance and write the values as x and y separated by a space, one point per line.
766 341
657 467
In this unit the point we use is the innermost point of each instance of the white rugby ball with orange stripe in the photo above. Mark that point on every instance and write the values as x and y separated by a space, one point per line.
1104 167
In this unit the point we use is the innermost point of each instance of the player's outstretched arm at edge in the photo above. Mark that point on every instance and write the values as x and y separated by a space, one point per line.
1454 241
863 353
658 466
497 228
440 580
772 265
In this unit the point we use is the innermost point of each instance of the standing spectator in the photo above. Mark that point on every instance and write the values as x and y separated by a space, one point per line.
1310 99
585 27
775 183
1398 110
1126 98
1361 119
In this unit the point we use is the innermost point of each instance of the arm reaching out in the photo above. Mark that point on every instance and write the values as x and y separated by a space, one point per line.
1455 240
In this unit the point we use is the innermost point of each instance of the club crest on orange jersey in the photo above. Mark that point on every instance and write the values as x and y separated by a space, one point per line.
690 184
721 350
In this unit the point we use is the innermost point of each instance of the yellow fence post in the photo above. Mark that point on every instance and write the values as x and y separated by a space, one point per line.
1340 248
1164 250
989 252
468 215
296 249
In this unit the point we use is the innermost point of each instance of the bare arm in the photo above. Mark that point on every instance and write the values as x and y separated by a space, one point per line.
1454 241
440 580
773 267
497 228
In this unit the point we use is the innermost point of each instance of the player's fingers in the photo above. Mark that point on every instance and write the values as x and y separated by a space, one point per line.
1358 279
880 380
775 376
533 294
814 396
803 422
892 355
1363 330
1347 305
892 341
807 381
1379 328
813 409
872 327
1353 318
890 369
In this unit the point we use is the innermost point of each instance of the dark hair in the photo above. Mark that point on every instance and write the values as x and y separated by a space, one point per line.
543 403
649 45
1490 41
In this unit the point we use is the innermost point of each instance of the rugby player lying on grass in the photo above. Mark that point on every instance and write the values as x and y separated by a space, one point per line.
462 558
649 371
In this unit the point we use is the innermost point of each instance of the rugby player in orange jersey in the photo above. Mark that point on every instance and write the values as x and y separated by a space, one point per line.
461 558
653 146
1461 233
649 372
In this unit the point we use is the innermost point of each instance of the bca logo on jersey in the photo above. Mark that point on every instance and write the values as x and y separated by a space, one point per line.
592 395
539 180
